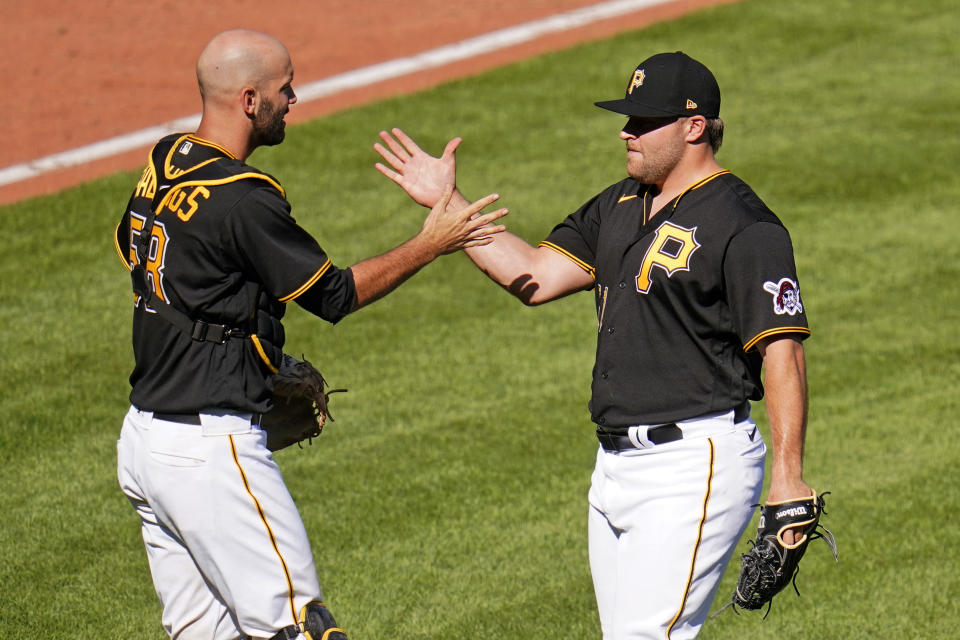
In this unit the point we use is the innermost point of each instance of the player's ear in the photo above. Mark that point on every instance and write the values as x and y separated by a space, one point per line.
695 128
249 99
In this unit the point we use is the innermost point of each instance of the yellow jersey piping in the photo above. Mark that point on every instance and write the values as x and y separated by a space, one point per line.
772 332
698 184
218 181
710 177
195 138
309 283
566 254
116 245
169 171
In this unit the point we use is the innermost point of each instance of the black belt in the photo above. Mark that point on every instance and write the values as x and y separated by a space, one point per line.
617 440
181 418
194 418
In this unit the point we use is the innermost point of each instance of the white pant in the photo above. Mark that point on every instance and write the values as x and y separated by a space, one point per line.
228 552
664 521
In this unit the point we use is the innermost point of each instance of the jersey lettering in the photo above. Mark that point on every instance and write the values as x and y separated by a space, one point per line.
156 253
176 201
670 250
147 186
192 202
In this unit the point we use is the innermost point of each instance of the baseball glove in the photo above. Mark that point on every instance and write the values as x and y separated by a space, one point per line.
299 404
771 564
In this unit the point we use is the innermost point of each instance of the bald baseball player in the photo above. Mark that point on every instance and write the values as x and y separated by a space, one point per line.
695 288
215 258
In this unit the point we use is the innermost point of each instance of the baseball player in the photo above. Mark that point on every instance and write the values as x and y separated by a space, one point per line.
695 289
215 258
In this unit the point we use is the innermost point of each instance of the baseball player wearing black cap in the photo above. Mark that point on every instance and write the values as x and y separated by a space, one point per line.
696 291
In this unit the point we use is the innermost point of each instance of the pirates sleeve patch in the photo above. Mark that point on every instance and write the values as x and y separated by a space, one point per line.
786 296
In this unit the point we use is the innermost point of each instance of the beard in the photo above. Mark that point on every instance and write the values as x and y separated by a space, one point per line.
268 126
655 164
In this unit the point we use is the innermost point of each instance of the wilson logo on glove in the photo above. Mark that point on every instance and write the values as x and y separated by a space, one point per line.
771 563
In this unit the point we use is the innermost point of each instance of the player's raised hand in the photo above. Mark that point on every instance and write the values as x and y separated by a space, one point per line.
422 176
449 231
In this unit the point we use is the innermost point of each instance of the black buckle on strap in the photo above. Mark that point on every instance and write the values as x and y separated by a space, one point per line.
206 332
138 277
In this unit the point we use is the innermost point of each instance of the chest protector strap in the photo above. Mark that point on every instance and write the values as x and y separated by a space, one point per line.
197 329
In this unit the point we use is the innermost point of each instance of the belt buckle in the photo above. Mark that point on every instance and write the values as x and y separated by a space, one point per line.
646 437
664 433
633 434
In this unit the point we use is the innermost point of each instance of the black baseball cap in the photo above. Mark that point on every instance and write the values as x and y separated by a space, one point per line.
669 84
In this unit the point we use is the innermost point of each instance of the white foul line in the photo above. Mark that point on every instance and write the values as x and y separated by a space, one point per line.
366 76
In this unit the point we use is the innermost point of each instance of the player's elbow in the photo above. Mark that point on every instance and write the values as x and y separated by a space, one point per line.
532 292
527 290
533 301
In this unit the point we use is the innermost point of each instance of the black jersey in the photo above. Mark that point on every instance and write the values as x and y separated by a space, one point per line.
224 249
683 297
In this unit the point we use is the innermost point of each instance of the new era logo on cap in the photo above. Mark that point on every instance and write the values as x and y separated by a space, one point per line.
669 84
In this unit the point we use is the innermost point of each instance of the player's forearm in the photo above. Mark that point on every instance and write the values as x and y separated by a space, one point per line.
534 275
510 262
786 401
376 277
505 259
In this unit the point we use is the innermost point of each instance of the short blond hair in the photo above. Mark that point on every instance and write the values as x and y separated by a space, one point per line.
714 133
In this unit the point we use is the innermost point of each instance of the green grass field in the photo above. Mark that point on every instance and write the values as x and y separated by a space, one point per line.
447 501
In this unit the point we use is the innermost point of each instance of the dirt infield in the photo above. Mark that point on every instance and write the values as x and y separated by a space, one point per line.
110 67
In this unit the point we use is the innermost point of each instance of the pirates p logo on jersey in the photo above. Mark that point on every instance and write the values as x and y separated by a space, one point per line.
670 250
786 296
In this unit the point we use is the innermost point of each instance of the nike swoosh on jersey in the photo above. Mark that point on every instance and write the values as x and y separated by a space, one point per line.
625 198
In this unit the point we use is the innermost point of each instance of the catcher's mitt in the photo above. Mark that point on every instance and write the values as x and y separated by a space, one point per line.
299 404
770 563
